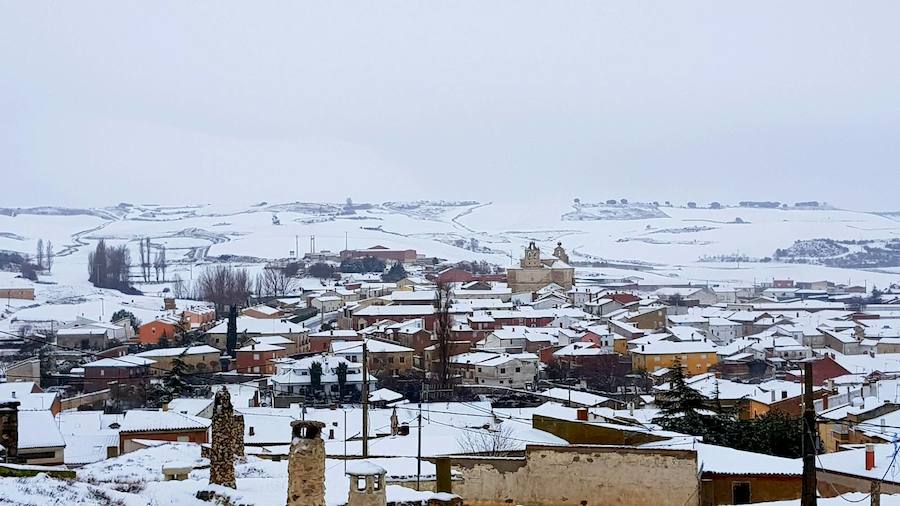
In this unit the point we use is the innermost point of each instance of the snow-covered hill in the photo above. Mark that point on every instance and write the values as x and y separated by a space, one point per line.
662 243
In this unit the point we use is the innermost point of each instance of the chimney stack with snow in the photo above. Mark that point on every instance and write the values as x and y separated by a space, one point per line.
9 429
306 464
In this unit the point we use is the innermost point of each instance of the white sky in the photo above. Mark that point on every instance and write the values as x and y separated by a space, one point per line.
102 102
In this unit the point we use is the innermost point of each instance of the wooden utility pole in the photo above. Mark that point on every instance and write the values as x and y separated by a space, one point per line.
875 493
365 400
419 448
808 493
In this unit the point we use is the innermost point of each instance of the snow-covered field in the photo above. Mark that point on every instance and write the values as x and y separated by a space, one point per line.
667 248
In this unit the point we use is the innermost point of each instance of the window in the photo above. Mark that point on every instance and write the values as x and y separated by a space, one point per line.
740 492
256 368
102 372
184 439
401 359
518 369
390 360
256 356
502 370
703 355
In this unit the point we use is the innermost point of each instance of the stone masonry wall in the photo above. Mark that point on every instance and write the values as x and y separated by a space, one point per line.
582 476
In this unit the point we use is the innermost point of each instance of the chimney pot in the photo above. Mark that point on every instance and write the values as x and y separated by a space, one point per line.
870 457
252 431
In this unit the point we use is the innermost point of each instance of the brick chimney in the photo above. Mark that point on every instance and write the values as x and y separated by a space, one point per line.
870 457
9 429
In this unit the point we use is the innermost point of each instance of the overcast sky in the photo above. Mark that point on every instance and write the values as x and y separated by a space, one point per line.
103 102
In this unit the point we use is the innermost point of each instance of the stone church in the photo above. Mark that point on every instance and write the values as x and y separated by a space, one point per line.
535 272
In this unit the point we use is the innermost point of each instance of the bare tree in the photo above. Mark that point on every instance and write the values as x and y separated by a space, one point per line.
39 256
275 282
147 265
48 255
224 285
442 326
143 258
180 289
496 441
159 264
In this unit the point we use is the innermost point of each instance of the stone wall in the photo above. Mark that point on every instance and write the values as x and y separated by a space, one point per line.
581 475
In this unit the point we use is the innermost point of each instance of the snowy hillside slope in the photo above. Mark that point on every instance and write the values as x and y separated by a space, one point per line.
667 247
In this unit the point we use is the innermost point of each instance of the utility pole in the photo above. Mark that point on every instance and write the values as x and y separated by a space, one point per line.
419 449
365 400
808 492
346 242
297 245
345 438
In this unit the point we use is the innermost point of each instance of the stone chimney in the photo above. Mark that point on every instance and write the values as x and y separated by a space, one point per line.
221 457
306 464
366 484
395 423
9 429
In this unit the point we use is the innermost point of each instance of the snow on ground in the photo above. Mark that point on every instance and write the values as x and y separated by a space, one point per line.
669 247
136 479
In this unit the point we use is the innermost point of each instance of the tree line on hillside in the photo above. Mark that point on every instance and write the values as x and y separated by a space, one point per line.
30 267
110 267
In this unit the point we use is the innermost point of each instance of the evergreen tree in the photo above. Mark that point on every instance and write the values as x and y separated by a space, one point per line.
680 400
394 274
175 378
341 372
315 376
231 331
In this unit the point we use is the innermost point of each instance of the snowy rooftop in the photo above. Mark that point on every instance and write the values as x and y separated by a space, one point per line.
146 421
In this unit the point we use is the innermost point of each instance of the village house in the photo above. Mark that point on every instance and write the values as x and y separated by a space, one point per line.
697 357
165 327
31 397
198 317
290 347
161 426
518 370
254 327
372 314
384 357
40 442
19 293
293 377
197 359
320 342
382 253
258 358
84 338
127 370
264 311
327 303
